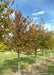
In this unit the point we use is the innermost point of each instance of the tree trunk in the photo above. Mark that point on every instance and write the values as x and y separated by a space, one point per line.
50 53
44 56
18 62
35 56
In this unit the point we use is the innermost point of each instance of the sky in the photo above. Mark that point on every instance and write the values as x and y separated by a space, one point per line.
37 9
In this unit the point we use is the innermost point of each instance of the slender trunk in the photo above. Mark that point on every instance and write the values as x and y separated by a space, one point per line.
18 62
44 55
50 53
35 56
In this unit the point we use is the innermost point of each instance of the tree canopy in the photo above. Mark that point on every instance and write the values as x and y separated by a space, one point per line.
5 23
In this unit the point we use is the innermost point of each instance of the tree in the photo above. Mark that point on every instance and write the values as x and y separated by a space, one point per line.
46 41
38 38
18 39
5 23
50 41
33 42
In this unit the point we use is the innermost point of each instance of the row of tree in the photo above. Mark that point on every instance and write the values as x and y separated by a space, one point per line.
25 34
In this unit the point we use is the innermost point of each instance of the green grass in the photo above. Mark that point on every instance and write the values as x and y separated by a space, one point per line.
50 69
8 62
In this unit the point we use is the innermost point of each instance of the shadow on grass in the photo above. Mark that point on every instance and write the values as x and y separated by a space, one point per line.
12 65
50 71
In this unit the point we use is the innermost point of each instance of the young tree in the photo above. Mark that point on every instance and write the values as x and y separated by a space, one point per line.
32 42
18 39
37 38
50 41
45 41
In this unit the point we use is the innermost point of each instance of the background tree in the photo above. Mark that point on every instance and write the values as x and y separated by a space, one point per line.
3 47
35 34
46 41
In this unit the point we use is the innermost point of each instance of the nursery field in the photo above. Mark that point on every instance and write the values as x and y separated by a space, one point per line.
9 61
26 37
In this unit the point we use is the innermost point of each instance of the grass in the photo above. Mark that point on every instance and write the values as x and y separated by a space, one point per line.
50 68
9 61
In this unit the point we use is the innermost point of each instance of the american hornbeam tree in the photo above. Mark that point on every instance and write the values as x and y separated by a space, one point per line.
38 39
5 11
43 37
43 41
46 41
18 39
33 38
50 40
